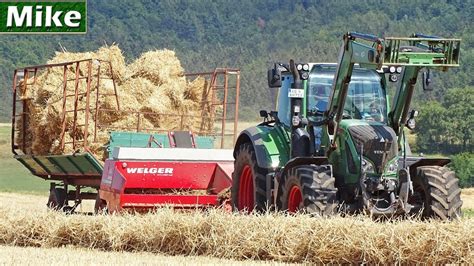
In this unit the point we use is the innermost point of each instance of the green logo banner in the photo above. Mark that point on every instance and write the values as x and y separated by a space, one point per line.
39 17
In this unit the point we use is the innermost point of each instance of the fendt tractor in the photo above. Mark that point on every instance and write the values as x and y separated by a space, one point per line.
337 144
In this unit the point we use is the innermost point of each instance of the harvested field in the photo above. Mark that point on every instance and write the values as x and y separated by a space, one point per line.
467 196
10 255
240 237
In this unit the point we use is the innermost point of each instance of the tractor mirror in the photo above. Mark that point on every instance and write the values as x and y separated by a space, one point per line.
427 81
274 77
263 113
411 119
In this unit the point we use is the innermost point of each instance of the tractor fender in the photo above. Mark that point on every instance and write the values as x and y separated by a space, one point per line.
270 145
415 162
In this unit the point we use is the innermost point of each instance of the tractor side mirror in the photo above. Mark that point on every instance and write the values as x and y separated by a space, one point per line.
427 81
263 114
274 77
411 119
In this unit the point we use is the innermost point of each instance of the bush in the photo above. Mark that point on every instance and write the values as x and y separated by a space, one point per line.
463 165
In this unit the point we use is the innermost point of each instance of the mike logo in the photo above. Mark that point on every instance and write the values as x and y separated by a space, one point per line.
51 16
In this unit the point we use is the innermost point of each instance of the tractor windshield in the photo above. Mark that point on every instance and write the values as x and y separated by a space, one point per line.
365 99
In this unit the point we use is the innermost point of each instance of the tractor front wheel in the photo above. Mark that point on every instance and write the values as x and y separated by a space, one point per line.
248 181
310 189
436 193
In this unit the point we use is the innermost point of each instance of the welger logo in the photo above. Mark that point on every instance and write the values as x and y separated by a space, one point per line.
160 171
43 16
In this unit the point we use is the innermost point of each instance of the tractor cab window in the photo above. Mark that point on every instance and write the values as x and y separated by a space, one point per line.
319 89
365 99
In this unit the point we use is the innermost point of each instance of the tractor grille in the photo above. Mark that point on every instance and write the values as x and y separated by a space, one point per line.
378 141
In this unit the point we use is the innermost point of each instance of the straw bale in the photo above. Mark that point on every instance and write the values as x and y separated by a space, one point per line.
197 90
112 54
131 122
46 132
159 66
141 88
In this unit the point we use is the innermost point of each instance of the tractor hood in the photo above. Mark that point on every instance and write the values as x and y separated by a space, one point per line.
377 141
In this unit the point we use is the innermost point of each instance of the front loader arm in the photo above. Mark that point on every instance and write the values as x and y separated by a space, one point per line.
415 53
368 55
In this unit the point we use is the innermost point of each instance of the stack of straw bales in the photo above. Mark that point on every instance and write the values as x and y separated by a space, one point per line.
153 84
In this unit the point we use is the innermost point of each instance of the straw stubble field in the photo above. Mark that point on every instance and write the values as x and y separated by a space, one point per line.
24 222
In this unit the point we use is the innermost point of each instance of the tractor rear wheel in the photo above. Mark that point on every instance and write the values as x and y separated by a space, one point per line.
436 192
248 181
310 189
57 198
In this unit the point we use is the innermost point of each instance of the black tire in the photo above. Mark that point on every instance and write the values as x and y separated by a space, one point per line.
436 192
100 206
57 198
245 156
319 195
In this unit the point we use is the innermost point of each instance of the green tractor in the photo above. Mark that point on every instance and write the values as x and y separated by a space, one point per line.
337 142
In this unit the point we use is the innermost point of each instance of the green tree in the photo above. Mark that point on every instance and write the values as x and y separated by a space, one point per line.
459 104
431 127
463 165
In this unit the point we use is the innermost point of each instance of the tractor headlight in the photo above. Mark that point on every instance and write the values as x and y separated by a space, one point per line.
392 69
299 66
305 67
393 78
399 69
367 166
304 75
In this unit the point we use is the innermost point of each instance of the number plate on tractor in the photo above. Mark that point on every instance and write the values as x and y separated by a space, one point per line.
296 93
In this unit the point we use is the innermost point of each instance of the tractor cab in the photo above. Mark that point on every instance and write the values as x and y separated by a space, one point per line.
366 98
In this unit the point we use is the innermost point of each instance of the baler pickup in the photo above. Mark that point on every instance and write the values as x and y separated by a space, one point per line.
138 178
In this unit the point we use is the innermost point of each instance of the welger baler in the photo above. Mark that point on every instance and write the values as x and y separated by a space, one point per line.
154 177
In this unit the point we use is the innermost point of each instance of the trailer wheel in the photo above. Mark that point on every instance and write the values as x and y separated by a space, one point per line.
57 198
100 206
310 189
248 181
436 193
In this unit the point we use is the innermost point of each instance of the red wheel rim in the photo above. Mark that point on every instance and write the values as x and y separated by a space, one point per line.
294 199
246 200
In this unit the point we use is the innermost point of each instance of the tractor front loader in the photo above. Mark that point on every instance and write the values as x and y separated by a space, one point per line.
335 144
